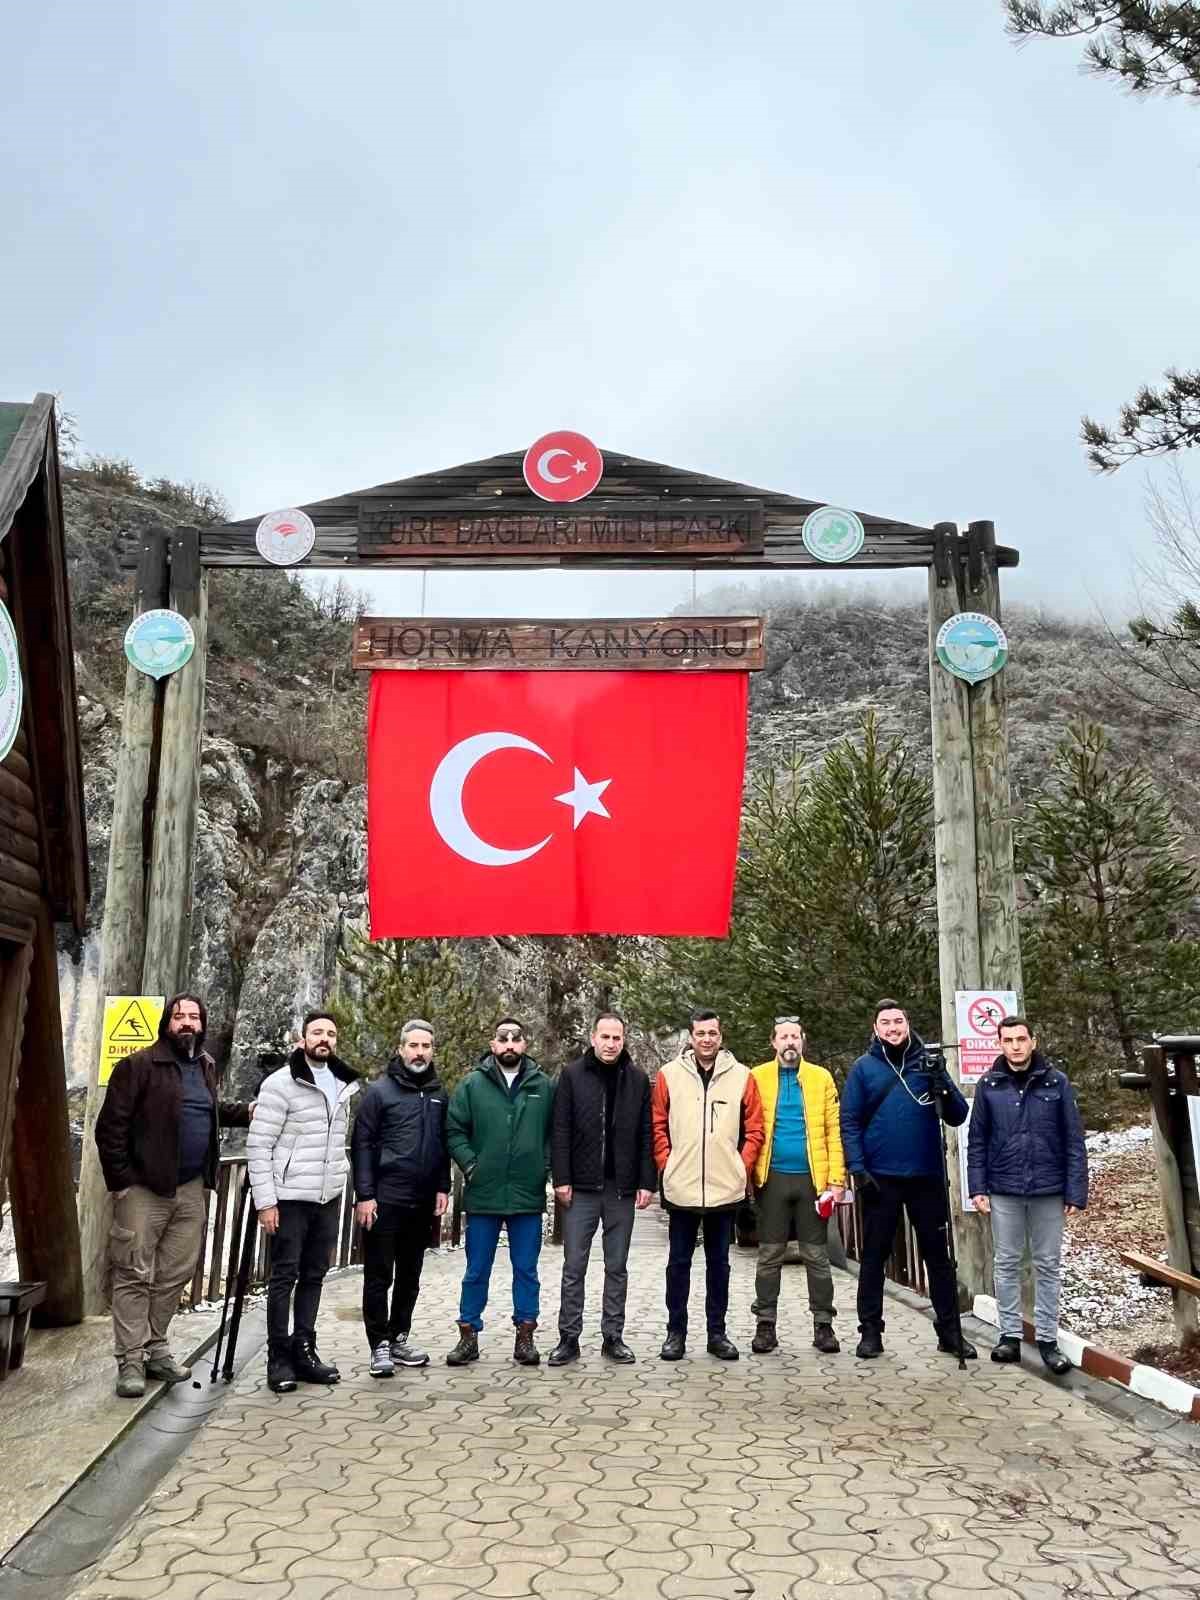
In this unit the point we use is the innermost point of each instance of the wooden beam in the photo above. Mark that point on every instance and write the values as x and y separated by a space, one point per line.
41 1182
14 992
169 902
1170 1183
610 644
123 937
1160 1272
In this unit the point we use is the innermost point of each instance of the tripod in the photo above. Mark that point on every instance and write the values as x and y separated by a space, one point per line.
242 1244
935 1058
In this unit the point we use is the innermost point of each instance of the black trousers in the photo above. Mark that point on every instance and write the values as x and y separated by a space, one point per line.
301 1254
925 1201
393 1247
683 1230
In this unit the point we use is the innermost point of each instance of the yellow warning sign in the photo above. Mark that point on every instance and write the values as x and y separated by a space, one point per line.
130 1023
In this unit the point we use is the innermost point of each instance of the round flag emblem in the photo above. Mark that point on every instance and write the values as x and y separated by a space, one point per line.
831 534
972 646
12 688
285 537
159 642
562 466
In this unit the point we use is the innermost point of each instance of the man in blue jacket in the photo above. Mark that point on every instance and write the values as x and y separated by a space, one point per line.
1027 1168
401 1183
892 1135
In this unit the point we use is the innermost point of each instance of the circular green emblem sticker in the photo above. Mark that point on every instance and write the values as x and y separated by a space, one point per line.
833 535
12 687
159 642
972 646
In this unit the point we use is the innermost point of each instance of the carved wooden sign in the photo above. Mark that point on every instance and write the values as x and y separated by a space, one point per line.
638 644
398 529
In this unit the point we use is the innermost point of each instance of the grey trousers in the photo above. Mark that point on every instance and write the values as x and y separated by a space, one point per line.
785 1199
153 1248
1040 1220
580 1220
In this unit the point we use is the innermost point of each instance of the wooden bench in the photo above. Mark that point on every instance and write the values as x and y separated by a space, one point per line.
1173 1277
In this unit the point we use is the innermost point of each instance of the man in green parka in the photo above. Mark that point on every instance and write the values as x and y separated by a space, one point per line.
498 1128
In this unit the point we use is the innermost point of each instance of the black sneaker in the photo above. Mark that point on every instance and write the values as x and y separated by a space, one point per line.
564 1352
1053 1357
674 1346
1008 1349
723 1348
870 1344
617 1350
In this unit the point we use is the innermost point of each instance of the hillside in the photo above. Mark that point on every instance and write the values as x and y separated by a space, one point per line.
281 849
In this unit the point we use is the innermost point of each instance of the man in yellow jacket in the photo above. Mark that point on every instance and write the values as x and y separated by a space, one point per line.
801 1159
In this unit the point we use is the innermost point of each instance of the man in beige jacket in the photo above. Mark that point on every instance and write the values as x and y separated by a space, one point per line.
707 1123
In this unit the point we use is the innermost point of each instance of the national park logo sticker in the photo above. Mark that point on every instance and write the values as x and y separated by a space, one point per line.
12 688
159 642
831 534
972 646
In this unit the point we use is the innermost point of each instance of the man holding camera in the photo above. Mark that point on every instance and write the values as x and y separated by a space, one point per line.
895 1098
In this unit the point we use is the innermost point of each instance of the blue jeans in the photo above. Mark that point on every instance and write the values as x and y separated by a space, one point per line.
524 1247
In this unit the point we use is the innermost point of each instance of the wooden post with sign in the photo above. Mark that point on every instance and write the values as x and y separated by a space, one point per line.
124 936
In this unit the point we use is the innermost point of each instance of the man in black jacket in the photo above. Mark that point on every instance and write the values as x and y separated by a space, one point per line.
401 1182
1027 1169
603 1167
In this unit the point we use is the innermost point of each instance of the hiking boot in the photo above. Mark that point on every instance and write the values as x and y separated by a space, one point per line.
764 1340
950 1347
564 1352
1008 1349
381 1361
615 1349
1053 1357
131 1380
281 1374
405 1354
525 1352
674 1346
721 1346
870 1344
308 1364
825 1340
167 1368
467 1348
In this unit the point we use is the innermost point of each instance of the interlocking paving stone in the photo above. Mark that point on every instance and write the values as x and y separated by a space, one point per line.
780 1478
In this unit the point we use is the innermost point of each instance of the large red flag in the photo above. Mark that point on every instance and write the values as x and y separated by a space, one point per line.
553 802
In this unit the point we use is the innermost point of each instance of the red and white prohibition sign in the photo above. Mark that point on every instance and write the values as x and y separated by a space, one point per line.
562 466
985 1014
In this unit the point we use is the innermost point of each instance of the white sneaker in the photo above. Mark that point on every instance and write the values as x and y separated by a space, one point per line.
381 1362
408 1355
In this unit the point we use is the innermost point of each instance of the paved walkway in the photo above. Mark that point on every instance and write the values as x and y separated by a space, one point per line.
787 1476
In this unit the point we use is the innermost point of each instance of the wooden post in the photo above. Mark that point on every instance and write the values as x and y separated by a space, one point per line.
124 935
955 849
41 1184
1170 1185
14 992
169 903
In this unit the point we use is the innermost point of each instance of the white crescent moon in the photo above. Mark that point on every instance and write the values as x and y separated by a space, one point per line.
543 466
445 798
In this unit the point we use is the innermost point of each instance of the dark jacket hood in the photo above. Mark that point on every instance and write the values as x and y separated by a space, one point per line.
914 1050
406 1078
298 1063
1037 1063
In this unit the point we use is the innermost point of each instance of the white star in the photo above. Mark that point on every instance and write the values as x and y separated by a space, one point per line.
584 797
580 466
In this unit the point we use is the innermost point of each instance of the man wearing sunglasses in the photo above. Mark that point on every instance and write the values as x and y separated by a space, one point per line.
498 1128
800 1162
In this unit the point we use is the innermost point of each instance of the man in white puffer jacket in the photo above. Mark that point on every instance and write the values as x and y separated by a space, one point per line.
296 1150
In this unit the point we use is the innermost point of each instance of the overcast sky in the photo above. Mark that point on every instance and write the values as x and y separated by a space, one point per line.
867 253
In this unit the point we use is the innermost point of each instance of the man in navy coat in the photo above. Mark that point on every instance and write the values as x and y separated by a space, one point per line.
892 1134
1027 1168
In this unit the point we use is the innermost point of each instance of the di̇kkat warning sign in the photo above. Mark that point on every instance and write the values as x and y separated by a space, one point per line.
979 1012
130 1023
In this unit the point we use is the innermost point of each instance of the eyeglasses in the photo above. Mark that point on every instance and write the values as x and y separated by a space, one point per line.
509 1038
778 1020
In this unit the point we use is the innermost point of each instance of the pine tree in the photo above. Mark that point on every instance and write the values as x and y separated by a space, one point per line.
1107 896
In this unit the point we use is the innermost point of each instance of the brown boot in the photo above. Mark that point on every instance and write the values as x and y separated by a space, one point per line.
467 1348
524 1350
764 1340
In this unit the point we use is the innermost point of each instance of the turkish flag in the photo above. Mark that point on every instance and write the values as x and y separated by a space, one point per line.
553 802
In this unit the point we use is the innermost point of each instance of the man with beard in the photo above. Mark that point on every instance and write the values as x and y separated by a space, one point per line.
297 1158
158 1145
603 1169
1027 1168
706 1116
402 1183
498 1129
801 1159
892 1135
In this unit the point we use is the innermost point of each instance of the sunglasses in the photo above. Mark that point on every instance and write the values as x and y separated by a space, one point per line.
508 1038
778 1020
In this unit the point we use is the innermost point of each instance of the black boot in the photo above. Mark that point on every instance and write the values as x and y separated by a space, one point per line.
308 1364
870 1345
564 1352
674 1346
824 1339
1008 1349
467 1348
281 1375
765 1339
1053 1357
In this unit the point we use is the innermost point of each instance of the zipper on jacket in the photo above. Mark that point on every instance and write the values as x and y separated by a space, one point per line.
703 1136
